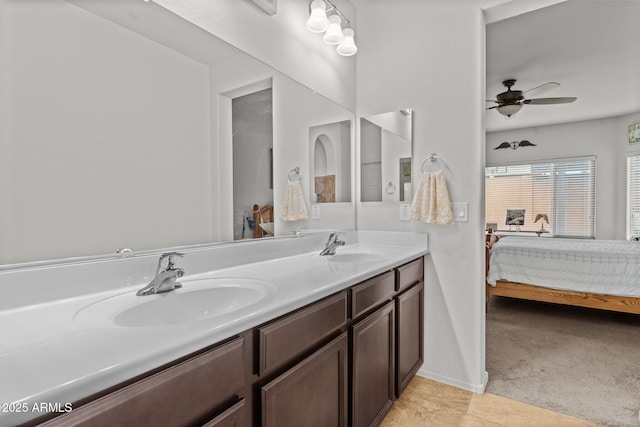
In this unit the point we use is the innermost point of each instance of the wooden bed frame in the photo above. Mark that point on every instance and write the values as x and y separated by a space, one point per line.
540 293
260 215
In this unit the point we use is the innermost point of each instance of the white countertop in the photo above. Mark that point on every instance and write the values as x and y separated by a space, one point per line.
50 354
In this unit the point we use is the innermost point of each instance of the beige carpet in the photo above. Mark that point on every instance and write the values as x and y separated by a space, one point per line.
580 362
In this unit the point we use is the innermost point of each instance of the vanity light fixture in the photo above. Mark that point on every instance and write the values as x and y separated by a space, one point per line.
334 35
318 21
348 46
331 25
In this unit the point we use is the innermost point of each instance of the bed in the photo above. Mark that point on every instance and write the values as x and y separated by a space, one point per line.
603 274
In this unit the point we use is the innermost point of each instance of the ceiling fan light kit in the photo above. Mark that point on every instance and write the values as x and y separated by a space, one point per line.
509 109
511 101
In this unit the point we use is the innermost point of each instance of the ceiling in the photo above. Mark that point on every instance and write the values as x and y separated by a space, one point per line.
588 46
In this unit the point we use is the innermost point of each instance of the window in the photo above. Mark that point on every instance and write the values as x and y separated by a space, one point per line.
633 196
564 190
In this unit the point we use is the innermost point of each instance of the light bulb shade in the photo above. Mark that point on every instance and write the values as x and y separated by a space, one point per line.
348 46
318 21
509 109
334 33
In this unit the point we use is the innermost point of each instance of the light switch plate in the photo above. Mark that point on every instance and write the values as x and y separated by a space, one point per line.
315 212
460 211
405 210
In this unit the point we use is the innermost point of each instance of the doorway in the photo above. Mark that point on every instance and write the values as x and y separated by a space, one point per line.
252 148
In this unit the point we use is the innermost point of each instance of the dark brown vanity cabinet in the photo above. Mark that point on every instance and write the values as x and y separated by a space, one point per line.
373 350
410 336
410 322
387 340
373 388
202 390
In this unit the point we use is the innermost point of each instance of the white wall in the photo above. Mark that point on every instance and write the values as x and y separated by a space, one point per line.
64 160
281 41
607 139
429 56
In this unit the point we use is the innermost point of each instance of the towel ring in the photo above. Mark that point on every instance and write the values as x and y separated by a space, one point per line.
433 160
294 174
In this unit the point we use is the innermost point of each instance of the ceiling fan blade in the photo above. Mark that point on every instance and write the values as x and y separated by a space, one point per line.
546 101
539 90
491 108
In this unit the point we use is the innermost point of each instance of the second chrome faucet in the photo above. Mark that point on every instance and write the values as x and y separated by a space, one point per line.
332 244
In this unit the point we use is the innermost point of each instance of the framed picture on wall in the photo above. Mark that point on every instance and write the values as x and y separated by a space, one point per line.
269 6
515 217
634 133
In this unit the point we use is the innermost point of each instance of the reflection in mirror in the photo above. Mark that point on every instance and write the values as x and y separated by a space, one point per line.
252 125
385 159
116 132
330 150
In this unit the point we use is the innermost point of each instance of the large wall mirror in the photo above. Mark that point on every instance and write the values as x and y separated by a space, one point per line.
385 157
117 131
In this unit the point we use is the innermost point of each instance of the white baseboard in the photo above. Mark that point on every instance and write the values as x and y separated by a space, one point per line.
475 388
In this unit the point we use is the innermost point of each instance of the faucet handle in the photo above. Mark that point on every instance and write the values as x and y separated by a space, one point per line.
169 256
333 237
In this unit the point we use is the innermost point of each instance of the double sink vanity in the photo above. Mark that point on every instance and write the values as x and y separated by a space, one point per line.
264 333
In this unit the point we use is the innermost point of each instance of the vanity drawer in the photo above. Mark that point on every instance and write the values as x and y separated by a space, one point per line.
183 394
371 293
409 274
232 417
287 338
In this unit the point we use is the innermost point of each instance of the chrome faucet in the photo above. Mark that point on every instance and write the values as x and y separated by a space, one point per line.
165 279
332 244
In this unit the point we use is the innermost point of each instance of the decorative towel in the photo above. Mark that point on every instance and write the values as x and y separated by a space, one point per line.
431 202
293 206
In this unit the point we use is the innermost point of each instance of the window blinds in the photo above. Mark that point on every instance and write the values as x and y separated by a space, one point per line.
563 189
633 196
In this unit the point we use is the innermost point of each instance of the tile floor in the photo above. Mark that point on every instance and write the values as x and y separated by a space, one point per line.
427 403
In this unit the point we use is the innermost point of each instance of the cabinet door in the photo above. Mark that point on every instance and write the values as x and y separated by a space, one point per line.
410 335
181 395
311 394
373 366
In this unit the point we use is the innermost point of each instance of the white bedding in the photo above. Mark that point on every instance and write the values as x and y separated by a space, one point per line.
596 266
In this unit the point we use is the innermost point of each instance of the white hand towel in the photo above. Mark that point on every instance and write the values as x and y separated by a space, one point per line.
431 202
293 206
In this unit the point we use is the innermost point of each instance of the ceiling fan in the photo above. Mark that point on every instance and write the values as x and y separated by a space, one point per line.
511 101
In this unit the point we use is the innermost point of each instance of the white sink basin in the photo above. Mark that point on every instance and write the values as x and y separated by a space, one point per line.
198 299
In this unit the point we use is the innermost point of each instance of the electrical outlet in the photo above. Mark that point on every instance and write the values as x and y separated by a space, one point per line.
460 211
405 211
315 212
